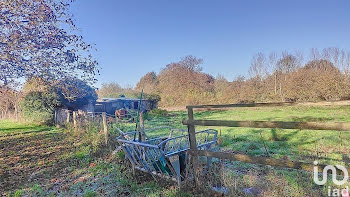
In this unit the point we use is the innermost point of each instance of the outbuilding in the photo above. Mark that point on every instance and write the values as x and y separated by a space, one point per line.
110 105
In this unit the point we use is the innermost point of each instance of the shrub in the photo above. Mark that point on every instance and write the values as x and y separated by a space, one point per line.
40 106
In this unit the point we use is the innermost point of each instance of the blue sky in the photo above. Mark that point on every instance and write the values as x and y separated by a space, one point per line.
135 37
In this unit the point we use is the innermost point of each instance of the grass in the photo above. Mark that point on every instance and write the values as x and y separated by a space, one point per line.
40 160
45 161
8 127
326 146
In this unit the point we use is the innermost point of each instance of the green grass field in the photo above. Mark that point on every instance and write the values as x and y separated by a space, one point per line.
41 160
326 146
10 127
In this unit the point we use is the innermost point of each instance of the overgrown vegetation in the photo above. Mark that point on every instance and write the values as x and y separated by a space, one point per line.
70 162
40 106
39 98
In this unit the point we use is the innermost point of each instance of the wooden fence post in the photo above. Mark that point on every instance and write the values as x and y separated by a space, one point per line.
105 129
68 117
141 128
75 119
55 117
193 147
141 121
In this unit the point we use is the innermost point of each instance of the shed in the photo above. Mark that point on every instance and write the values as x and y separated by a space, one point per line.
110 105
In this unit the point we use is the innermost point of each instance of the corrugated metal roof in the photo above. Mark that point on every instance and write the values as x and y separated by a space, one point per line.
118 99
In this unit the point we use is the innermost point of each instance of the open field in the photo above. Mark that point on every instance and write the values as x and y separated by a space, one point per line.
295 144
327 147
43 161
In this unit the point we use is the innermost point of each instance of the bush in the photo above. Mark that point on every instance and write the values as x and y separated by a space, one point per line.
40 106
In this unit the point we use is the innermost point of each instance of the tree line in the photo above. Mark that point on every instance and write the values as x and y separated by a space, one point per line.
320 75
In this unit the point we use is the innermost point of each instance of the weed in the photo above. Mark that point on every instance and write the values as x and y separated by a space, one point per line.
37 190
18 193
89 194
120 155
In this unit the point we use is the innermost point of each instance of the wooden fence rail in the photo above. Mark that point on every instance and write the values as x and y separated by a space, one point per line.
336 126
244 105
285 163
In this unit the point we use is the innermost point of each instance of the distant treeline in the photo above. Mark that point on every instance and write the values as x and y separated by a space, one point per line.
319 76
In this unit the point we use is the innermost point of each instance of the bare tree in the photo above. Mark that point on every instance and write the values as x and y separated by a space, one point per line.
299 58
315 54
273 68
258 68
347 64
342 60
288 63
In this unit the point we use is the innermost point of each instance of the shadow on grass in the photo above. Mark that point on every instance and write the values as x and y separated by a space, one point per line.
311 119
38 127
31 130
285 137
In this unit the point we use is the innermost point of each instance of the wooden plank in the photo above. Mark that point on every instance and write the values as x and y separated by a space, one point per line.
337 126
285 163
244 105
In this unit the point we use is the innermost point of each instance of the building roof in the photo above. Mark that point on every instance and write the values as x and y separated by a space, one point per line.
118 99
